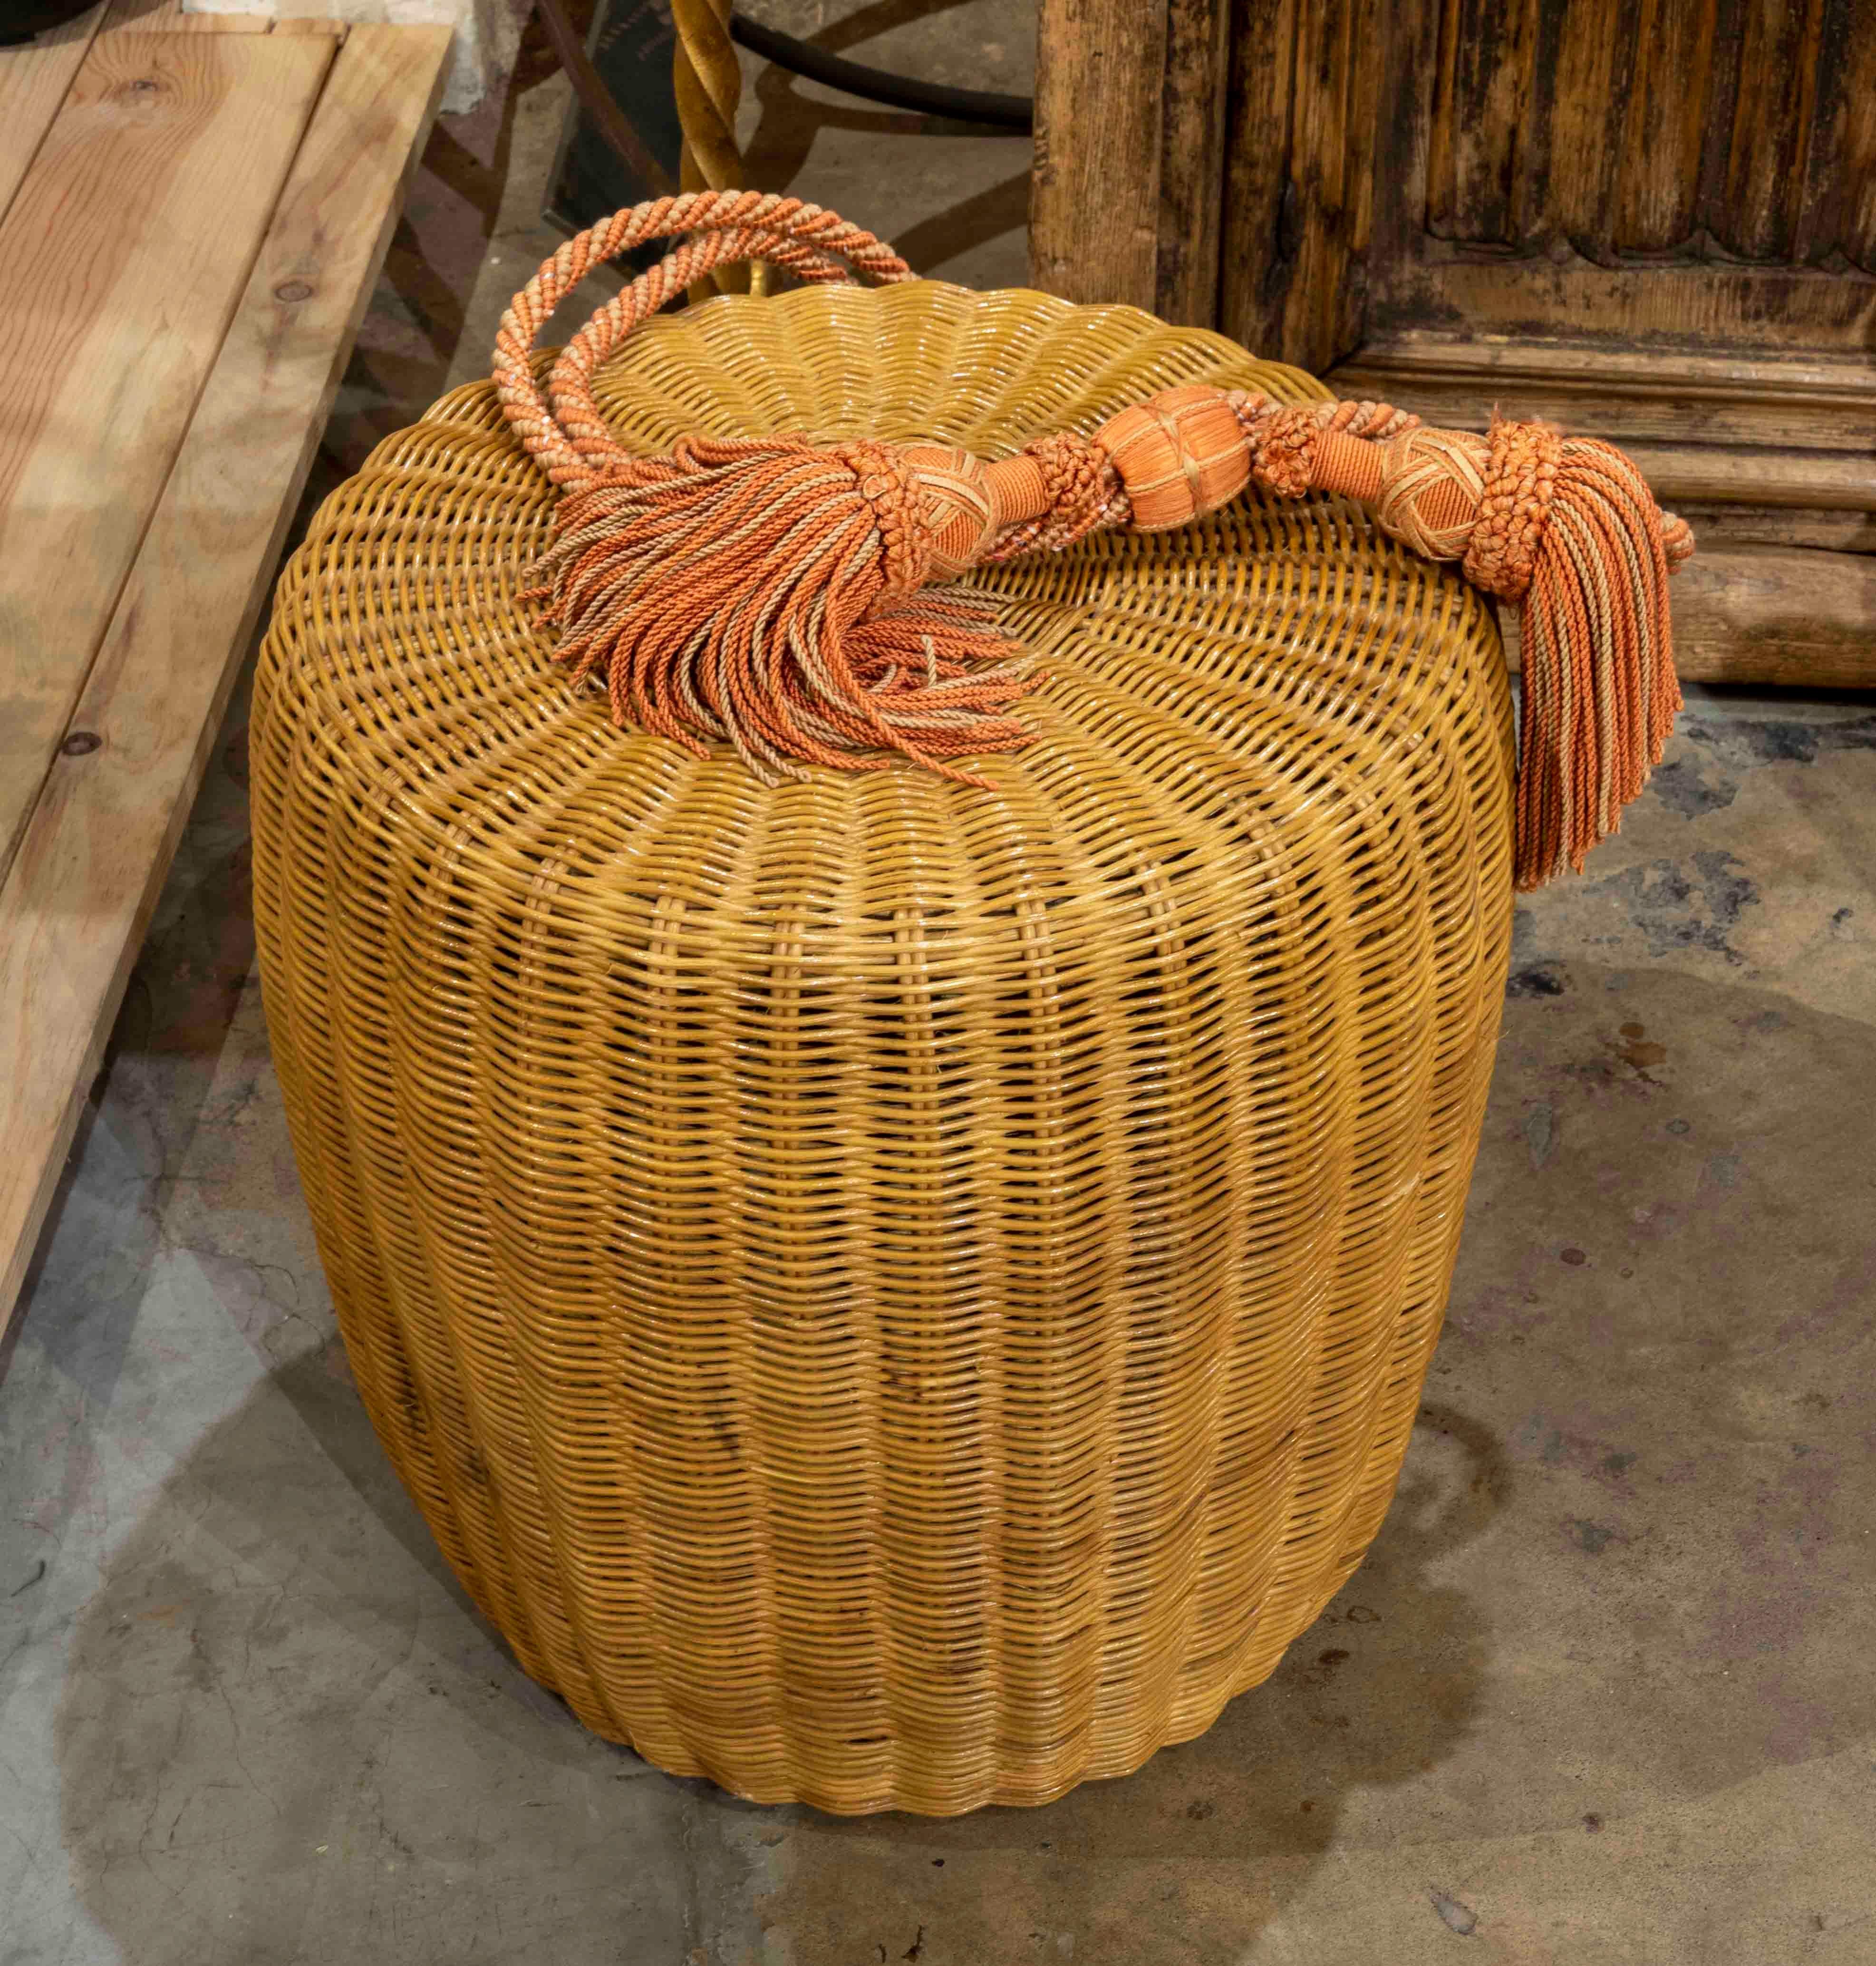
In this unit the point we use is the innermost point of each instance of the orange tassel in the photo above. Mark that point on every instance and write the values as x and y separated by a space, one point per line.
769 595
1566 529
1600 693
772 594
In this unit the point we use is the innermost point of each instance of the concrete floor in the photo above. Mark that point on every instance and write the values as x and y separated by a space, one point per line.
1604 1693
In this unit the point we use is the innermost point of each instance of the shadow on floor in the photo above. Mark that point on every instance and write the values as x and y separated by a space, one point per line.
281 1715
1624 1590
285 1735
1382 1688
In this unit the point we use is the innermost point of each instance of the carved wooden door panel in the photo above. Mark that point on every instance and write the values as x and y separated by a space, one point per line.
1654 221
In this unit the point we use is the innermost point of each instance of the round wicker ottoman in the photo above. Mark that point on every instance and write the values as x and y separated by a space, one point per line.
890 1292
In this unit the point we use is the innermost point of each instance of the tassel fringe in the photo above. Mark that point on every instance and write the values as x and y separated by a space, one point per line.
762 595
1600 694
773 594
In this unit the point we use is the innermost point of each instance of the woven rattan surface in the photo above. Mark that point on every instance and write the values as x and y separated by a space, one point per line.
887 1292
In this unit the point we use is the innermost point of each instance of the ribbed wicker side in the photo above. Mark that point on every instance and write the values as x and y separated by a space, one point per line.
889 1294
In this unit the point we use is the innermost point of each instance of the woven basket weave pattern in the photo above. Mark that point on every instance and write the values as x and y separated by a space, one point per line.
888 1294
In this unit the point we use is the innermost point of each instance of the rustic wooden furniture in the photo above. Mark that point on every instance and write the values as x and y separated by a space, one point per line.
1658 221
192 212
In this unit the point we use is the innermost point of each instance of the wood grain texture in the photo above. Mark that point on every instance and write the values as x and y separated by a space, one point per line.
1584 66
1627 395
145 205
1710 130
1259 227
34 80
1661 144
79 894
1771 127
1094 193
1838 214
1726 528
1673 306
1297 291
1777 616
1627 175
1687 472
1856 226
1191 162
1481 110
1338 81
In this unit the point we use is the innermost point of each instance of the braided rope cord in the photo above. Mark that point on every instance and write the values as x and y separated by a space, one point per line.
570 442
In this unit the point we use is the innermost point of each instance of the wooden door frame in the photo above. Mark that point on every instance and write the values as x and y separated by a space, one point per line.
1282 241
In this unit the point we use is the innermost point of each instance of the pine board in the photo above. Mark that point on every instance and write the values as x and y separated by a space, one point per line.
144 207
94 853
34 80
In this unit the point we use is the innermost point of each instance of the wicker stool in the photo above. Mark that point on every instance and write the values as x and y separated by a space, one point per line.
889 1293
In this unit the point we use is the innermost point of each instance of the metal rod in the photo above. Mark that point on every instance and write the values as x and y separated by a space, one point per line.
876 84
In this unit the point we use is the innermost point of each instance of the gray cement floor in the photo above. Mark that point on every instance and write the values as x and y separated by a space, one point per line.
1604 1693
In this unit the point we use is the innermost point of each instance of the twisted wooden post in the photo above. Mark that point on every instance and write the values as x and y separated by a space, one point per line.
708 79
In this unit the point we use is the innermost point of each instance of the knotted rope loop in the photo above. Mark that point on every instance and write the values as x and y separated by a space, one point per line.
1513 497
894 495
1080 490
722 227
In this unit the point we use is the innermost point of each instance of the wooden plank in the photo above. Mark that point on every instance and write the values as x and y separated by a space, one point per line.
1726 528
1682 397
1776 615
1690 473
34 80
132 235
1191 161
76 903
1680 304
1100 68
1849 380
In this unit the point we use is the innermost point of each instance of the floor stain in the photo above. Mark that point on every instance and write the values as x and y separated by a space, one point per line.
1678 904
1701 774
1454 1915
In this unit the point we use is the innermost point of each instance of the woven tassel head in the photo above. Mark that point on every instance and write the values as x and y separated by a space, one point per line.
1567 530
774 593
